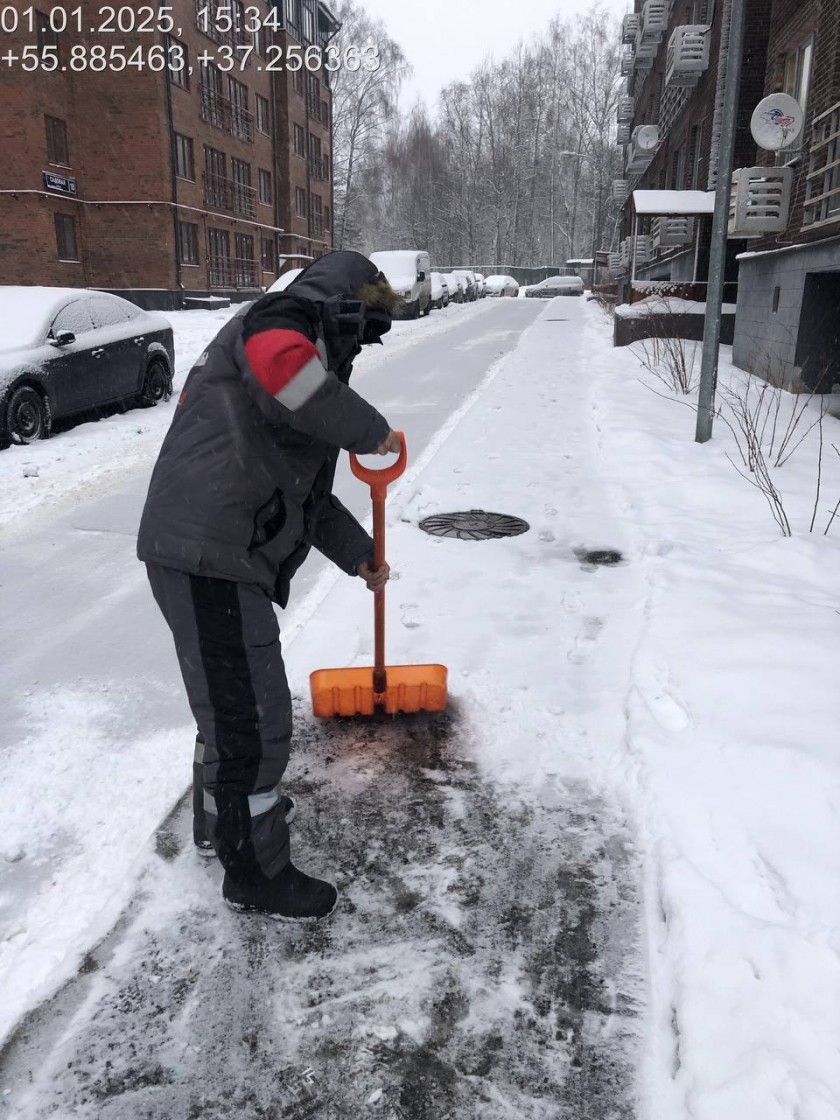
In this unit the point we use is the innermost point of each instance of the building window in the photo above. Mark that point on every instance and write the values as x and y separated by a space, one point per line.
300 202
325 162
316 167
57 150
244 264
326 217
266 194
218 241
187 243
316 209
268 257
216 185
65 237
309 30
240 119
297 81
777 291
325 114
184 163
243 192
180 77
300 141
47 38
797 80
263 115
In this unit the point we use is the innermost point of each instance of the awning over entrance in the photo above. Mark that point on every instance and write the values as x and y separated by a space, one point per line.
666 203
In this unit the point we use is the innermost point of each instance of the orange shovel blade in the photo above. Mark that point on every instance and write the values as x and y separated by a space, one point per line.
350 692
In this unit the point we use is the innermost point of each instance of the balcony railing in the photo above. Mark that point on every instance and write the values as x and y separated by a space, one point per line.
222 113
233 272
226 194
822 191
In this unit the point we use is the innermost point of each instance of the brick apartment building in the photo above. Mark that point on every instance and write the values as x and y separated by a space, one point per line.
168 186
671 60
783 260
788 321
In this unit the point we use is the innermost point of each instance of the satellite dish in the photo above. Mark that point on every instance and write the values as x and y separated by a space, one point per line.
776 122
646 137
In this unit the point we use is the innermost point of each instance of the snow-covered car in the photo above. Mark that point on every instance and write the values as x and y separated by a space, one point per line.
409 272
501 285
440 290
482 285
66 350
282 282
470 287
555 286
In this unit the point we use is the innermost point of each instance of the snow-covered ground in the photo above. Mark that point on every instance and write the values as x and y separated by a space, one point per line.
607 885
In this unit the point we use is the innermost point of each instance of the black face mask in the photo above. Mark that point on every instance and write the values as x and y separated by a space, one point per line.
347 320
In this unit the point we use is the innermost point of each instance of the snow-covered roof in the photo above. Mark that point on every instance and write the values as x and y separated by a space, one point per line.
580 260
674 202
24 311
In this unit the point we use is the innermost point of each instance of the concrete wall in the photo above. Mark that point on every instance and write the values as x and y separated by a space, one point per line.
766 340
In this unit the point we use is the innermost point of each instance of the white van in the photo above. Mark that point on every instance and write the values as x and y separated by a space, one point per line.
409 272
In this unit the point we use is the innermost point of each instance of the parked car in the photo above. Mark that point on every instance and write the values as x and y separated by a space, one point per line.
555 286
482 285
469 284
501 285
282 282
440 290
409 272
66 350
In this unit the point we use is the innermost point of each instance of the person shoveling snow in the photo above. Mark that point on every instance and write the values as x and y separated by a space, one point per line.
241 490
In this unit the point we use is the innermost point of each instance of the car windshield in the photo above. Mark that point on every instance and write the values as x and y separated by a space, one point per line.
24 315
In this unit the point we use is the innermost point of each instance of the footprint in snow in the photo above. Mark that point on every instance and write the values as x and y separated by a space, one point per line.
665 708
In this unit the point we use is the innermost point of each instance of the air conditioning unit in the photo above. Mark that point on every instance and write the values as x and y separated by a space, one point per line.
630 27
646 52
620 191
671 231
688 54
623 135
644 140
644 248
627 56
614 264
624 251
655 19
625 110
760 200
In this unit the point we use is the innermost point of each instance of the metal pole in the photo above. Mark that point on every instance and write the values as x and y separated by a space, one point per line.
717 258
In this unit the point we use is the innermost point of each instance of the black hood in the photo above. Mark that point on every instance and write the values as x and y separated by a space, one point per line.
330 286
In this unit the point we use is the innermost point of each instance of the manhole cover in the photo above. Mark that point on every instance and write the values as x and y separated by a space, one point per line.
474 525
603 557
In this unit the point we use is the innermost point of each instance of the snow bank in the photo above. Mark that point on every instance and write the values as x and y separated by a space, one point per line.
666 305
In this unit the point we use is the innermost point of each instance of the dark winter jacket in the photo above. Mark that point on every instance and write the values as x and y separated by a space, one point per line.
242 486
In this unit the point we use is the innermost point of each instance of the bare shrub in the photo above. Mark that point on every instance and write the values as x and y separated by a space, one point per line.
671 358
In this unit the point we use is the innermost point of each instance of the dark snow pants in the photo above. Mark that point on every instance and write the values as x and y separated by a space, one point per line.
228 646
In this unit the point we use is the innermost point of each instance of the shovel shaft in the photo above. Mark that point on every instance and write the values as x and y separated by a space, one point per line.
379 677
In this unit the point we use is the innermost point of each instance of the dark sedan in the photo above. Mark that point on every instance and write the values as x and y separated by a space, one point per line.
64 351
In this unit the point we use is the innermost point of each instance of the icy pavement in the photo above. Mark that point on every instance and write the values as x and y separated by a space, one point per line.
481 962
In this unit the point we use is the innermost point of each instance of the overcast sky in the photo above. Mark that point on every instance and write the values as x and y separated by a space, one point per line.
445 39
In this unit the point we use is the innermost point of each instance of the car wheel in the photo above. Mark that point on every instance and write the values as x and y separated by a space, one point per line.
157 386
27 415
414 312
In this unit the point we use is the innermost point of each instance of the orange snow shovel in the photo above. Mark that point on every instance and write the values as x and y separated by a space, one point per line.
397 688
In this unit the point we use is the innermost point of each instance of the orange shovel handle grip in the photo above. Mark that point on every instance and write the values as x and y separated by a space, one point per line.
378 479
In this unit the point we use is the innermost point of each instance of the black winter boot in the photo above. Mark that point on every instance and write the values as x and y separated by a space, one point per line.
291 895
